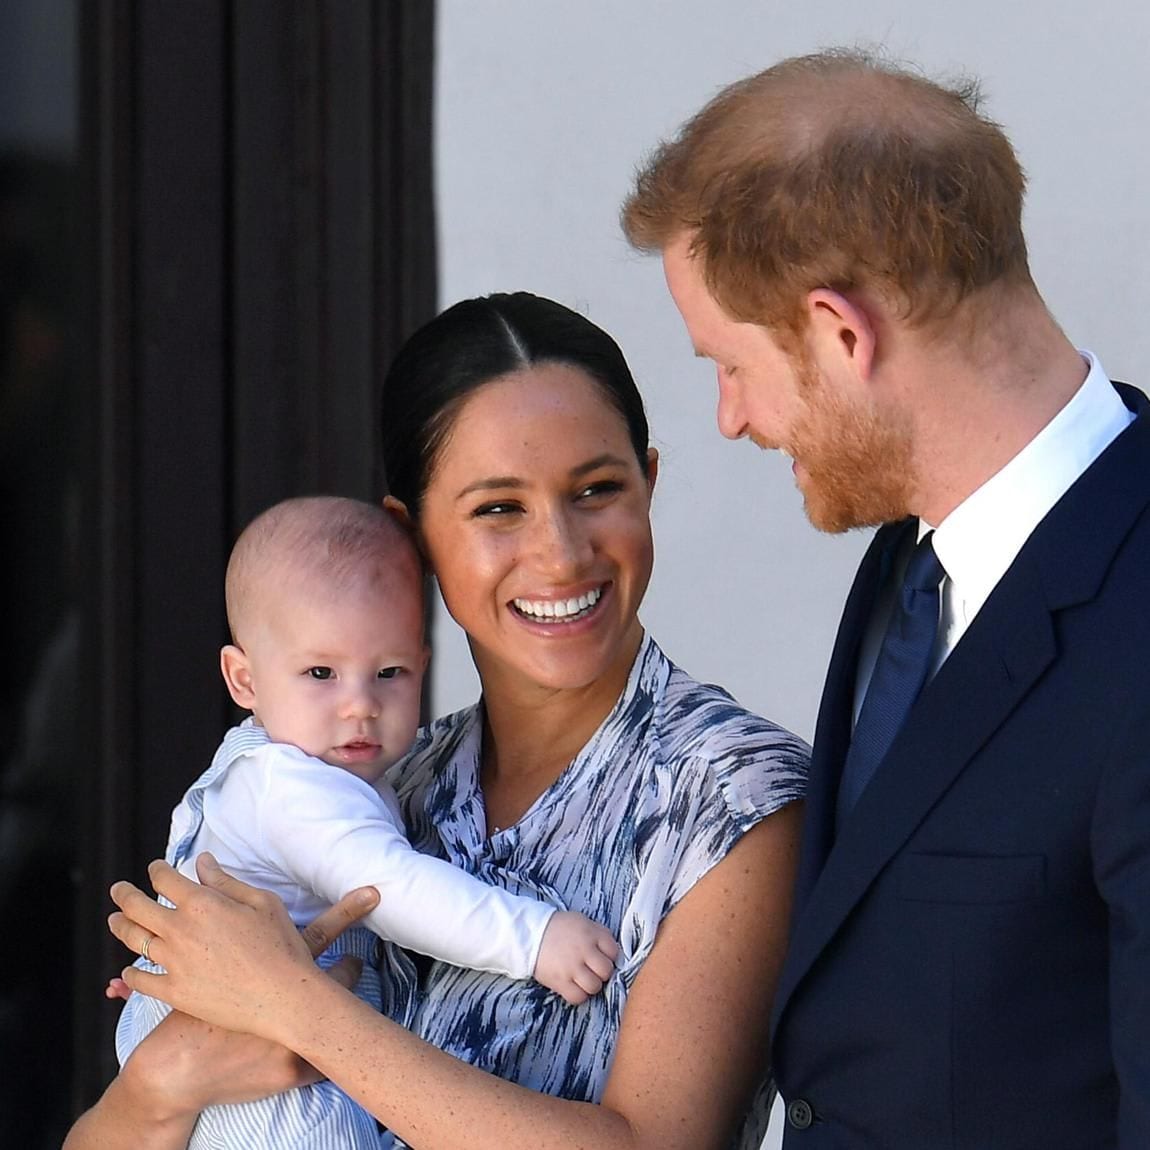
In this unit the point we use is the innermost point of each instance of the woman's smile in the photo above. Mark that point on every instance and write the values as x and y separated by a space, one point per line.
536 523
561 611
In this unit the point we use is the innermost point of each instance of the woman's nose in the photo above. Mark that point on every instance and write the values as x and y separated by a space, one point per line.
561 543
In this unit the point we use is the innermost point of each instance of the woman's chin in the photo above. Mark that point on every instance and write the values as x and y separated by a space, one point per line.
574 661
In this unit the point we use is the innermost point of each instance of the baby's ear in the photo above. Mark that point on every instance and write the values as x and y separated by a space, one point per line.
238 676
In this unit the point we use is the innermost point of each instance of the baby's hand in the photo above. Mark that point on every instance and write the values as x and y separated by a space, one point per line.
117 988
576 957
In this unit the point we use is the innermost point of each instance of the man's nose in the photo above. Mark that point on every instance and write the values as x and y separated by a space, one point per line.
729 413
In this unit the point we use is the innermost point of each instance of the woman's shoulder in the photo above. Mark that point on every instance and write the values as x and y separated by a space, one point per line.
705 720
720 770
705 744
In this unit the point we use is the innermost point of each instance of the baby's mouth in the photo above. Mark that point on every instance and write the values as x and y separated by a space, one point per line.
358 748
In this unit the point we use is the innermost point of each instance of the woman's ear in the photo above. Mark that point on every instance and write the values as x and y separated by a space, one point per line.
841 333
237 674
652 468
397 508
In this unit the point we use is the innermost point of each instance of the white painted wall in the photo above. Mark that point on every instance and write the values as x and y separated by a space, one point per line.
544 107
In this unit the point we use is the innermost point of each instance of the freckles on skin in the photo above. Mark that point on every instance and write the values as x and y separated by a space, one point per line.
538 496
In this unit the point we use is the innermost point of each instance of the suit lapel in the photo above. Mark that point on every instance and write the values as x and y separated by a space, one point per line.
833 728
974 692
995 665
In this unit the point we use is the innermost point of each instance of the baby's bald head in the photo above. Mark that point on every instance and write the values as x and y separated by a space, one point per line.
315 546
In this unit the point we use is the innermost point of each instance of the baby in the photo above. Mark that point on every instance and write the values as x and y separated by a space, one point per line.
325 606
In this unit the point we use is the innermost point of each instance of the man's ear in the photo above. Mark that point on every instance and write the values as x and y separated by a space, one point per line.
238 676
841 333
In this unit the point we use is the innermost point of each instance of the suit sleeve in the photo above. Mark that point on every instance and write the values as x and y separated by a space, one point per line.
330 832
1121 847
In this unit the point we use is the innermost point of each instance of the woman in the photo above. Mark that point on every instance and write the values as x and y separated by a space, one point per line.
593 771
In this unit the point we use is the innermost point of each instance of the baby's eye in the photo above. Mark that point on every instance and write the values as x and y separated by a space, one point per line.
390 672
321 673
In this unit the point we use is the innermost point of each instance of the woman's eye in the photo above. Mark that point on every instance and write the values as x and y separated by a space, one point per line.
390 672
603 487
321 673
494 510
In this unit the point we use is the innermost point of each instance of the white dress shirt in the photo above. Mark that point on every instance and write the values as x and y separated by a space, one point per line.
979 540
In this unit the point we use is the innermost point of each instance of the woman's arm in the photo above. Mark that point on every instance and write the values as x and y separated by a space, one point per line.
181 1067
129 1114
691 1048
185 1065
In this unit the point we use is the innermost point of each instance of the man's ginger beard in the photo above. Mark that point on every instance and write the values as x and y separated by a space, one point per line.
857 461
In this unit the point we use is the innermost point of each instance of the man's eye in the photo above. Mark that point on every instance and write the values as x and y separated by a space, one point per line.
321 673
390 672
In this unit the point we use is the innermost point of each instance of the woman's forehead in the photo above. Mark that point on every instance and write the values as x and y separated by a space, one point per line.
549 406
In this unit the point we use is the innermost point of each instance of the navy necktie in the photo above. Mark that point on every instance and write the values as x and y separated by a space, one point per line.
899 673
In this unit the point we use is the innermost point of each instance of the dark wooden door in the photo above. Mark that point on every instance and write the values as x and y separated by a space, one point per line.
200 289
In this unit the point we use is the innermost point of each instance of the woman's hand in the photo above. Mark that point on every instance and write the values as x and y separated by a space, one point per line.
185 1065
229 949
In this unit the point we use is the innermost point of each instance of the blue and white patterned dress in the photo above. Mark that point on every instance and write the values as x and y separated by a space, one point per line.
673 778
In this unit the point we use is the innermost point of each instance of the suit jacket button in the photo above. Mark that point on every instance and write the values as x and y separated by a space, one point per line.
799 1114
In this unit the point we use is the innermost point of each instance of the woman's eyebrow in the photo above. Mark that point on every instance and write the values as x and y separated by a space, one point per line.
503 482
491 483
604 460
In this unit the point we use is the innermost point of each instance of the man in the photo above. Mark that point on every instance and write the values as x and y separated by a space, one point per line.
969 964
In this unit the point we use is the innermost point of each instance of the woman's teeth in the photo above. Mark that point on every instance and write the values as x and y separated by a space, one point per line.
558 610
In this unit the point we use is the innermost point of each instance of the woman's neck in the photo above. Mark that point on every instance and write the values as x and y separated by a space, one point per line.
532 732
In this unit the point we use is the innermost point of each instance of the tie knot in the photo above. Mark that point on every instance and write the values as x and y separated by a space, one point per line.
924 572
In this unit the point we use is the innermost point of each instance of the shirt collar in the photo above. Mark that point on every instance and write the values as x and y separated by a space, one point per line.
979 540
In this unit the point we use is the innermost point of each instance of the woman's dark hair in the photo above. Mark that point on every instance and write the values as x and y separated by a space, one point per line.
472 343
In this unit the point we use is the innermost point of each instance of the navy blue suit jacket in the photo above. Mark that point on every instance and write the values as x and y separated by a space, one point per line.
969 966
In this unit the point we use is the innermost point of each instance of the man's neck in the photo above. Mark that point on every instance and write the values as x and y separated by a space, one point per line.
977 411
